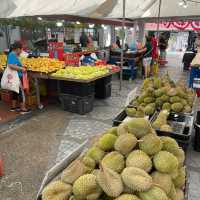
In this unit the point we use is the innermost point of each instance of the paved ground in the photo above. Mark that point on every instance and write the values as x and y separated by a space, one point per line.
32 147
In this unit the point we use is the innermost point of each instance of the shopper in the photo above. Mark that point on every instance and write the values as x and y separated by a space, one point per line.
15 64
163 43
118 42
147 57
84 39
154 64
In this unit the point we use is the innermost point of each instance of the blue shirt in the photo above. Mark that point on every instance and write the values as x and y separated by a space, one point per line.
14 60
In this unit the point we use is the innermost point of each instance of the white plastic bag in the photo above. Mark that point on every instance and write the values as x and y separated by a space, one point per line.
10 80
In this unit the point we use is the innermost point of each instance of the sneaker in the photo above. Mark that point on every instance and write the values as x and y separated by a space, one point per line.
23 112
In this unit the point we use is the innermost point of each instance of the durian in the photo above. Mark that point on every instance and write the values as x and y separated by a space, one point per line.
179 181
122 129
179 194
162 180
73 171
155 193
166 128
150 144
177 107
95 153
140 160
127 197
89 162
136 179
57 191
86 188
131 112
139 127
165 162
110 181
125 143
107 141
114 161
169 144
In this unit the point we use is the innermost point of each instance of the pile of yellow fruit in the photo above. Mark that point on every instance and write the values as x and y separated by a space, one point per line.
44 65
3 61
83 72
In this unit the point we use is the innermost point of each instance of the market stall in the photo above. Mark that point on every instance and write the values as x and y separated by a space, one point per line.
75 87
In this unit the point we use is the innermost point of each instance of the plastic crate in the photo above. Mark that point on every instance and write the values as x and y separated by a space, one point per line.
196 144
182 126
6 96
31 100
103 91
77 104
78 89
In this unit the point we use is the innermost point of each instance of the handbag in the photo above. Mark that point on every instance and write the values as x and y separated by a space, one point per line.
10 80
25 82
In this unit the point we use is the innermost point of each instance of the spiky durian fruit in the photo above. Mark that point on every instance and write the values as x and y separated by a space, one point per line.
165 162
89 162
154 193
125 143
169 144
110 181
122 129
140 160
162 180
95 153
57 190
150 144
179 181
136 179
107 141
139 127
127 197
86 188
73 171
114 161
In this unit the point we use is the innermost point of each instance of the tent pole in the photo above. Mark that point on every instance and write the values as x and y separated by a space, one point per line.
158 22
123 42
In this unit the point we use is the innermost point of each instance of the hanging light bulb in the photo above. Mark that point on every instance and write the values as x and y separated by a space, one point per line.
59 24
78 22
181 3
91 25
39 18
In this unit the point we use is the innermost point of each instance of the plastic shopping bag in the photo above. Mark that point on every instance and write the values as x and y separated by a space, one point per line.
25 82
10 80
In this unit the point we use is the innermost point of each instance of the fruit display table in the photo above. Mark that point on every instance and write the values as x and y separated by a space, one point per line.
36 76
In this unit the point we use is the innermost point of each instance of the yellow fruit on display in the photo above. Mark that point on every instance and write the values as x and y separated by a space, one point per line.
82 73
44 65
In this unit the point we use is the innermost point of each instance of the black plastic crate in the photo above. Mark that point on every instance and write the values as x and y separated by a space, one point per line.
78 89
122 116
104 81
196 144
103 91
77 104
182 128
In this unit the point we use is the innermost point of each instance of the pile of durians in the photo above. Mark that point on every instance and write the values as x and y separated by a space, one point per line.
162 94
128 162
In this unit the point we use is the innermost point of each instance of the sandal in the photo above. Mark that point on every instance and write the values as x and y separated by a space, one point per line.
23 112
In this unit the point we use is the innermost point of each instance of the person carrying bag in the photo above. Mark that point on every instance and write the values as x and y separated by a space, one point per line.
12 79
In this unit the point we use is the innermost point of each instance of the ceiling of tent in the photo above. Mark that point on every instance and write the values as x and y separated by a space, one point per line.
6 7
135 9
171 8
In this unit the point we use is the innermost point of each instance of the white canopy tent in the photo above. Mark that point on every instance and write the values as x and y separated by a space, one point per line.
102 8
